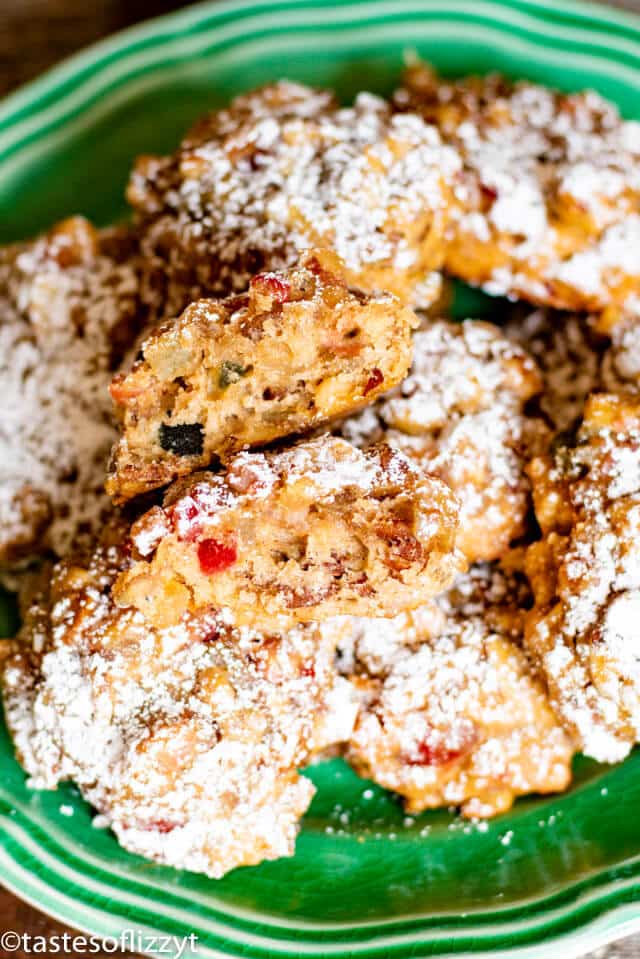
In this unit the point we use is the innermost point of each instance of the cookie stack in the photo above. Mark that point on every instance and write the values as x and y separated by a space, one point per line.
264 501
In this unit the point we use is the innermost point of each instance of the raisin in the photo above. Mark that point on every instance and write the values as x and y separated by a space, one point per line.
231 372
214 557
184 439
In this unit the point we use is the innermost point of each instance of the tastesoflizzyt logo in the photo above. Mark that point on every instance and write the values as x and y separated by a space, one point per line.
70 944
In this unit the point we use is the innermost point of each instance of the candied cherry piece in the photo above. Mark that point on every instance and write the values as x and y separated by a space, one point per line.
186 518
215 557
430 751
271 285
163 826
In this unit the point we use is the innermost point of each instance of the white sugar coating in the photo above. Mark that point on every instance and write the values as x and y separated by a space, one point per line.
551 181
583 633
457 368
67 307
589 270
283 169
326 465
460 415
451 713
329 465
620 621
186 740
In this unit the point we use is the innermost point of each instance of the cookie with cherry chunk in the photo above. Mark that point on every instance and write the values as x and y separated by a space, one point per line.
451 713
186 740
317 530
298 348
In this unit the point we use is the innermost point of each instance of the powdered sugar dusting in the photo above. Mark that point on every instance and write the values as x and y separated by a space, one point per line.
460 415
187 739
451 713
586 575
284 169
550 190
68 305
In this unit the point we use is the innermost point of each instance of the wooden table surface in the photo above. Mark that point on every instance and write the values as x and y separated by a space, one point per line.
34 34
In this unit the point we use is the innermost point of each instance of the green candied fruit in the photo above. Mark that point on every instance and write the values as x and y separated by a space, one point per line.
231 372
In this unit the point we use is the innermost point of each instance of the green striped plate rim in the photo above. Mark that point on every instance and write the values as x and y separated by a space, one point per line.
554 876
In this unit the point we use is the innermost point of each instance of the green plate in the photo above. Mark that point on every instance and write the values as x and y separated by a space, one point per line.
553 877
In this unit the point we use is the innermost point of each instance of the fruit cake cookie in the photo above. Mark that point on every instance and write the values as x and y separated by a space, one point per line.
549 201
461 415
295 350
451 712
69 310
583 630
284 169
577 357
317 530
186 740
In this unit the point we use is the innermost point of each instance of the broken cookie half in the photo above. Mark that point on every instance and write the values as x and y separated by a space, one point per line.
317 530
298 348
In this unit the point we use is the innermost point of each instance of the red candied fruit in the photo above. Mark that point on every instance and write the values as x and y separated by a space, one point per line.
214 557
428 754
162 826
375 379
272 285
431 751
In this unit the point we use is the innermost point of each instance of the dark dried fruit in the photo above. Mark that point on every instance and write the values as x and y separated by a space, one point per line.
184 439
